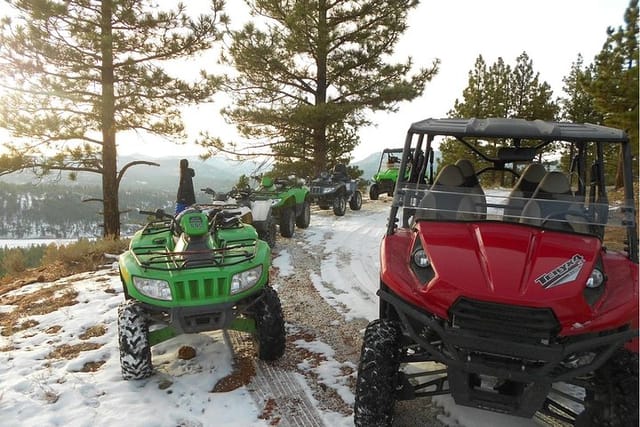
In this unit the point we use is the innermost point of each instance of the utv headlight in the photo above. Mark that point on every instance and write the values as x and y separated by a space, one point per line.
596 279
153 288
246 279
421 259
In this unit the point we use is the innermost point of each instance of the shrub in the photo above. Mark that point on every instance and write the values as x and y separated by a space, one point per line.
13 261
83 254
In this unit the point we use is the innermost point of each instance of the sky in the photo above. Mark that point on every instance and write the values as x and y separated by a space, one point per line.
552 32
39 391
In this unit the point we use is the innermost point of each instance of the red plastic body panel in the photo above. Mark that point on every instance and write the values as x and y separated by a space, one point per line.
500 263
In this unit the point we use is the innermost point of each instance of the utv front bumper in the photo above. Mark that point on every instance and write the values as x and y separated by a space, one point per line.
500 357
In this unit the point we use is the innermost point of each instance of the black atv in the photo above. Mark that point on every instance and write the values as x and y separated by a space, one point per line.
335 190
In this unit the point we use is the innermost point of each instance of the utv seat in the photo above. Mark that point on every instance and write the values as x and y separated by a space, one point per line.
471 182
448 198
554 206
523 190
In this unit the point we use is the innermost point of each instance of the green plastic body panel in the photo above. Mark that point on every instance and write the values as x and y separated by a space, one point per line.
197 276
282 193
387 174
194 223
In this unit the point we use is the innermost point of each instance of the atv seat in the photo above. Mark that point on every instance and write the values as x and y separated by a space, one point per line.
340 172
447 199
553 205
196 252
524 189
471 182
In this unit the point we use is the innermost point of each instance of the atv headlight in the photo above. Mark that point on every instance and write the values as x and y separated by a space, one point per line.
246 279
596 279
153 288
421 259
275 201
326 190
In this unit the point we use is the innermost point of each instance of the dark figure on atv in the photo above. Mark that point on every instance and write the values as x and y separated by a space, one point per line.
186 195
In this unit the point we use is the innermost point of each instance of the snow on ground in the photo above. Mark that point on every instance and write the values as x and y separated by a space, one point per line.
38 390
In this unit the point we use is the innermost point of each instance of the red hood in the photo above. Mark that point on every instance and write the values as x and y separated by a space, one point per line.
508 263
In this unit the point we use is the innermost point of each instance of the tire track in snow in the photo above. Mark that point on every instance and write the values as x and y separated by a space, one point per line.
347 275
271 383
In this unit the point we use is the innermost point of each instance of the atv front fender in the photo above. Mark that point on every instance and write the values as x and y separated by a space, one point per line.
261 210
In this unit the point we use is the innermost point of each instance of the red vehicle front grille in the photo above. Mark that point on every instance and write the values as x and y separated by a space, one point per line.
504 320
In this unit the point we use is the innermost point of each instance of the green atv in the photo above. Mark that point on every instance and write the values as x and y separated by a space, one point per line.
290 201
203 270
384 181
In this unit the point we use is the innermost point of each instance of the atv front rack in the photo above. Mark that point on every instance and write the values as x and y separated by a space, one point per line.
158 258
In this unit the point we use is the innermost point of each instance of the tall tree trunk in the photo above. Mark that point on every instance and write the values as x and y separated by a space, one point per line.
111 213
619 182
319 151
320 130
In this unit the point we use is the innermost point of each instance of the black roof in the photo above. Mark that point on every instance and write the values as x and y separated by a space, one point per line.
519 128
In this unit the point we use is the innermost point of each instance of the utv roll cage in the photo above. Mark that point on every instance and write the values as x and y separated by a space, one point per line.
521 133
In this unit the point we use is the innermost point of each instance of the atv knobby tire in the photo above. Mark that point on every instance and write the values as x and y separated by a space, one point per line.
304 219
356 201
374 192
612 399
269 232
270 334
339 205
133 339
377 375
287 222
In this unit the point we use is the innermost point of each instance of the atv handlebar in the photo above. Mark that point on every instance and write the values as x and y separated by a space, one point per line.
158 213
209 191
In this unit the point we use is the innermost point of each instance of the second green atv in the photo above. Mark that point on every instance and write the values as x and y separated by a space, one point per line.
290 202
384 181
203 270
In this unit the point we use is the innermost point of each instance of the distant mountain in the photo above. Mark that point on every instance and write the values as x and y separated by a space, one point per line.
217 173
369 165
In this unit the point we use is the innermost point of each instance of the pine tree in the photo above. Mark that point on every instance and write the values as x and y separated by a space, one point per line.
615 81
501 91
78 72
578 104
308 70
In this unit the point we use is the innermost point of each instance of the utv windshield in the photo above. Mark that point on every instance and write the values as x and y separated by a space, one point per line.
549 175
554 211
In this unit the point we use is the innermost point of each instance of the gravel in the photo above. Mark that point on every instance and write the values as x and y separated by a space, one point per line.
310 318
